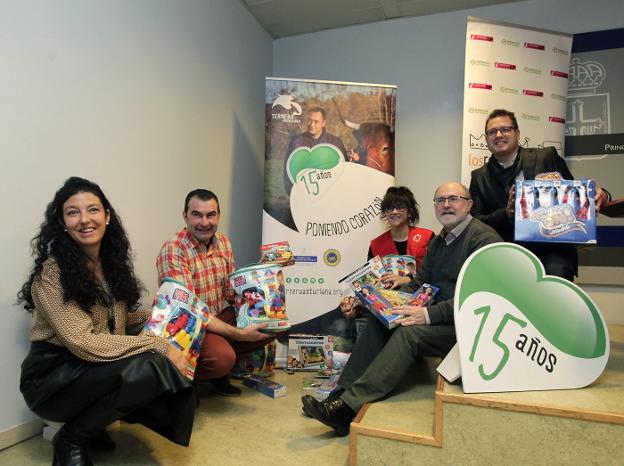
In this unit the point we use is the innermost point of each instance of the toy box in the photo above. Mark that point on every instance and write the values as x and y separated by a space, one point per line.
260 296
181 317
277 253
399 265
266 386
310 352
558 211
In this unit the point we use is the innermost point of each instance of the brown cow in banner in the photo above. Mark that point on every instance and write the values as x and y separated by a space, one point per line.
375 146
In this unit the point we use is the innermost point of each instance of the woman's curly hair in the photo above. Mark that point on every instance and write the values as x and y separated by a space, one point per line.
400 197
77 278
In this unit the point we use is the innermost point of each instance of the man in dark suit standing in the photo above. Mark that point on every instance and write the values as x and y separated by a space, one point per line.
492 188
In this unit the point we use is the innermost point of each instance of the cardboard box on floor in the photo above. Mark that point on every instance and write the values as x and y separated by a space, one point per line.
310 352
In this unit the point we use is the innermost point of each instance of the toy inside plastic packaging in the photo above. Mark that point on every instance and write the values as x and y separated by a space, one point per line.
181 317
277 253
260 296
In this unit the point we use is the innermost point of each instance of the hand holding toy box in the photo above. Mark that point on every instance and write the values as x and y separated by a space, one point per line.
555 210
181 317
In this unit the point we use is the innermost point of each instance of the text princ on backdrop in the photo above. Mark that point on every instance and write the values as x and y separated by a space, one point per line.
329 158
595 140
520 69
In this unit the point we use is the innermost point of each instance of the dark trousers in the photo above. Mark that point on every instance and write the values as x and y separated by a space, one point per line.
145 388
382 357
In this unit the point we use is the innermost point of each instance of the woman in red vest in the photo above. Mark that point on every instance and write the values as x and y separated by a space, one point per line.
400 210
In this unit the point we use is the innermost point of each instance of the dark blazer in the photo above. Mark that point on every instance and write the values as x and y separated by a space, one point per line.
490 201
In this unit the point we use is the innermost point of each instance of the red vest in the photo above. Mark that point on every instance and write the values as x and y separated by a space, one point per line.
417 242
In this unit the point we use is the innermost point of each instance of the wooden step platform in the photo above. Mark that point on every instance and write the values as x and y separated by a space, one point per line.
439 424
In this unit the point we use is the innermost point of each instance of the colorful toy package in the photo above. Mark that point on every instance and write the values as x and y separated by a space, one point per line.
181 317
277 253
555 210
260 296
399 265
424 295
259 362
310 352
374 300
369 273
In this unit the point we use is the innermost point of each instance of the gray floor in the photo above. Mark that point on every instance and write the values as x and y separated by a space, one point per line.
252 429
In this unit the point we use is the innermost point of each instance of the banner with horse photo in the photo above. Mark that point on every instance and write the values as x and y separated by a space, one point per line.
329 159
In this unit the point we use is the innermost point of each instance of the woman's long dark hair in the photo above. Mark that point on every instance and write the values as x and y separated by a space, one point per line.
77 278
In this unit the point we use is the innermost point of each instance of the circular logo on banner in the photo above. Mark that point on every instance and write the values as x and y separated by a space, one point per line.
331 257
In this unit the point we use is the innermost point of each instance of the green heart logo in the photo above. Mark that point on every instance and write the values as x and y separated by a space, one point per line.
560 310
520 329
321 157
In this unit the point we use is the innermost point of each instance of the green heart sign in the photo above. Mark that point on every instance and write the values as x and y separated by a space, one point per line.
519 329
321 157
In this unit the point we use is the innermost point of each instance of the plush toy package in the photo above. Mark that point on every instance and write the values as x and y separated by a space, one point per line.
260 296
181 317
555 210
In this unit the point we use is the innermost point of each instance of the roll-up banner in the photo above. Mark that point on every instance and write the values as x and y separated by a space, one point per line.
329 158
520 69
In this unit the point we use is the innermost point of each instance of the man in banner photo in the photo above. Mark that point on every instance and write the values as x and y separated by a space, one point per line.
315 135
491 188
382 357
329 159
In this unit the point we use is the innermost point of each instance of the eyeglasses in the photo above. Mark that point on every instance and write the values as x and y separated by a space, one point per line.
399 210
503 129
452 200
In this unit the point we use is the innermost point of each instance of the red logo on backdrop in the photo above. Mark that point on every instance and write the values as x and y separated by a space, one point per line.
487 87
181 295
529 45
556 120
532 93
505 66
559 74
481 37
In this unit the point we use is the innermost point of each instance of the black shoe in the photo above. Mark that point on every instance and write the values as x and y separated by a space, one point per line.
335 414
70 450
310 403
102 442
223 387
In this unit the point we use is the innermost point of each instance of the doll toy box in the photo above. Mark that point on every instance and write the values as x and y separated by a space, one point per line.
310 352
555 210
399 265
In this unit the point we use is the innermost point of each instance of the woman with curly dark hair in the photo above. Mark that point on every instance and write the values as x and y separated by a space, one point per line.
90 362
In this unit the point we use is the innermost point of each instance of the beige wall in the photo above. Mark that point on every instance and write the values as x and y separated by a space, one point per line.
149 98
